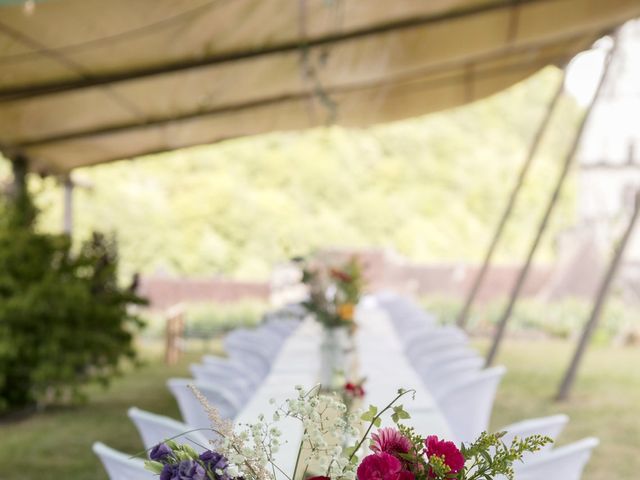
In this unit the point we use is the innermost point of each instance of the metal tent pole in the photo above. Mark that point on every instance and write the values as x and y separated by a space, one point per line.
19 168
598 305
67 220
524 270
524 170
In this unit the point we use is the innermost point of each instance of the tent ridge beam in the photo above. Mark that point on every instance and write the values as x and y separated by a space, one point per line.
24 92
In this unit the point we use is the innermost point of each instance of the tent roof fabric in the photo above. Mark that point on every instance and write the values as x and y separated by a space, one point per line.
84 82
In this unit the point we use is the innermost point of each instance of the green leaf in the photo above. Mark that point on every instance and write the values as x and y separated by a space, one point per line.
155 467
370 414
350 450
188 449
400 412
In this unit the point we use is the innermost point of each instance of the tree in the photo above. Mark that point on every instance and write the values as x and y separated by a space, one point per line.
64 321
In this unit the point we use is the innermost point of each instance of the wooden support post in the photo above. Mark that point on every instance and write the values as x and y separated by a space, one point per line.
67 221
524 270
174 335
524 170
598 305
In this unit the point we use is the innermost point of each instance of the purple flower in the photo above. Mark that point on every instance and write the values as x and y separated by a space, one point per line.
214 462
160 452
185 470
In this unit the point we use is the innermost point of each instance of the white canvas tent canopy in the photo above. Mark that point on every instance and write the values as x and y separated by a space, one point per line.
84 82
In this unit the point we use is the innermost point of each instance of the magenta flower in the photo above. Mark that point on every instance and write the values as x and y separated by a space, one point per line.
445 450
390 440
382 466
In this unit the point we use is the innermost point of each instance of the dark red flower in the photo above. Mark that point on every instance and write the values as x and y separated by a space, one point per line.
340 275
445 450
319 477
382 466
354 389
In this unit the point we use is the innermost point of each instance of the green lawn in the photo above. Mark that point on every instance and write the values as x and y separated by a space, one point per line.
55 445
605 401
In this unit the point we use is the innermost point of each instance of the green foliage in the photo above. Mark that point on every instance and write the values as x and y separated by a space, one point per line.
431 188
488 457
63 319
562 319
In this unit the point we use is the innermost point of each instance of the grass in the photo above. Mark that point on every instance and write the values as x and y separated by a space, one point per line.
56 444
605 401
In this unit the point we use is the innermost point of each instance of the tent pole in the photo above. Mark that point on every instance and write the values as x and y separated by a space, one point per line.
524 170
67 222
601 298
524 270
19 168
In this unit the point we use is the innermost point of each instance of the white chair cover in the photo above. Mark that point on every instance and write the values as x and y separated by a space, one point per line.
467 404
192 411
240 386
120 466
155 429
550 426
438 378
562 463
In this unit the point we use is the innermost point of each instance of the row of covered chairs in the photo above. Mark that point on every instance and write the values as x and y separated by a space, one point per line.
455 374
226 382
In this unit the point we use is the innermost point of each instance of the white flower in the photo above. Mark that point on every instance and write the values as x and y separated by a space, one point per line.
233 471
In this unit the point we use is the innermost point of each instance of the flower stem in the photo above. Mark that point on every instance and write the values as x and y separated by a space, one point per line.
295 468
374 419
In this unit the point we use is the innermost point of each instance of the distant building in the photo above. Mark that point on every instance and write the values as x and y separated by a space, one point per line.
608 177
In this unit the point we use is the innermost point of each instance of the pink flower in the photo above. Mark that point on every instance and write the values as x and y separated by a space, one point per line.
446 450
382 466
390 440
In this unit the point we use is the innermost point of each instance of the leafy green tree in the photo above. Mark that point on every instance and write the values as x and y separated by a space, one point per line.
64 320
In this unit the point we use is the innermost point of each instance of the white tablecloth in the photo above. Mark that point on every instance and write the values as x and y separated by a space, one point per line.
380 359
383 362
298 363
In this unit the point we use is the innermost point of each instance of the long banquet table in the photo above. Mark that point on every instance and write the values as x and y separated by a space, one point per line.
380 358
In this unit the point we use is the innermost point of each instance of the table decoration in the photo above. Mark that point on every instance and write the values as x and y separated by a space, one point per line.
391 453
334 293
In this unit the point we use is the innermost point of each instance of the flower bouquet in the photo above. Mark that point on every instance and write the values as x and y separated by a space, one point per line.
334 293
338 444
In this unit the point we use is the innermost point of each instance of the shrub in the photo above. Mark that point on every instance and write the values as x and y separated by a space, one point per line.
64 320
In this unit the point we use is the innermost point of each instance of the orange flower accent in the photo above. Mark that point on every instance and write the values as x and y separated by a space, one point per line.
346 311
